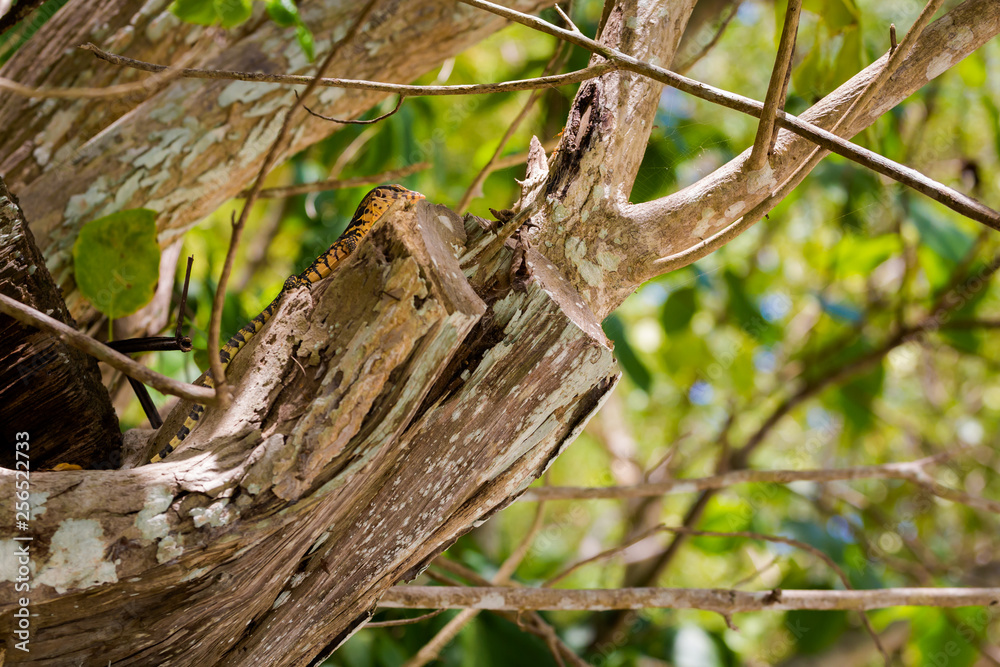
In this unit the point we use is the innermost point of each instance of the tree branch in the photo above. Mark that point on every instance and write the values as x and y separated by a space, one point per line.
338 184
708 599
953 199
358 84
914 471
102 352
777 89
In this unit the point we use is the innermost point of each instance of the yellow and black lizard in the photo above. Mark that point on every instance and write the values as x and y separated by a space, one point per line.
372 207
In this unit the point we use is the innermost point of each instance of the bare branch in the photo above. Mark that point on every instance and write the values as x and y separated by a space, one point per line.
404 621
399 103
708 599
338 184
163 75
953 199
358 84
777 89
905 470
433 648
131 368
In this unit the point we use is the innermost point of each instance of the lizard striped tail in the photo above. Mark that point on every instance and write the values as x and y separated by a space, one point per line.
226 354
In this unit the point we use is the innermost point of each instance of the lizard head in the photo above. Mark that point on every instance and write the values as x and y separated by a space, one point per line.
381 198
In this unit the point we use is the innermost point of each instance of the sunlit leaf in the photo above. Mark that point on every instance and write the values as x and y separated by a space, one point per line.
117 261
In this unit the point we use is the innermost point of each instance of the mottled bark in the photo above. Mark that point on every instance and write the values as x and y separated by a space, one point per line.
40 376
609 247
189 147
363 439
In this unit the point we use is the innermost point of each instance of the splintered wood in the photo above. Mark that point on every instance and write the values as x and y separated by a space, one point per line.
375 419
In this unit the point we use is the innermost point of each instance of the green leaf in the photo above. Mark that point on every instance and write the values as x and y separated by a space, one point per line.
850 57
815 631
858 255
117 261
836 14
678 309
633 367
305 38
745 314
194 11
283 12
941 640
233 12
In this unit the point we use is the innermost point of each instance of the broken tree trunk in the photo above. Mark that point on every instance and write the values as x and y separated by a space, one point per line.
41 378
375 420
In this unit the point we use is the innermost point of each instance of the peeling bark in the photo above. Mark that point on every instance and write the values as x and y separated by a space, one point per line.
40 375
270 534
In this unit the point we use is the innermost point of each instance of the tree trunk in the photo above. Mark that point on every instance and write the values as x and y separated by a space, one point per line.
366 435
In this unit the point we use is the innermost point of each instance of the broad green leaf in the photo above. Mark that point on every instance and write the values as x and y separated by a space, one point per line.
724 515
678 309
194 11
850 57
233 12
941 640
815 631
117 261
855 398
936 268
836 14
973 72
858 255
283 12
501 643
994 115
745 314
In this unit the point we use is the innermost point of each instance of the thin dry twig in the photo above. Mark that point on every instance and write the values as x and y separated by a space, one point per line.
777 89
399 103
404 621
436 644
163 75
359 84
604 555
477 182
81 341
912 471
215 323
708 599
338 184
951 198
